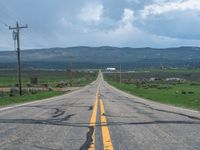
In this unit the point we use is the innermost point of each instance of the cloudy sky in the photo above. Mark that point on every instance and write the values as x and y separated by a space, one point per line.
123 23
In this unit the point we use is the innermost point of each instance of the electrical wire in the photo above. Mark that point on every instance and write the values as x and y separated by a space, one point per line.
3 23
11 15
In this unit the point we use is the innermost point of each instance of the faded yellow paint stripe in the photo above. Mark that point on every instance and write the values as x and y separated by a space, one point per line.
107 142
93 120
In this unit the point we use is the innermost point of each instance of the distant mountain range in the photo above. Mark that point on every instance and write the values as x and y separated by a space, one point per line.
101 57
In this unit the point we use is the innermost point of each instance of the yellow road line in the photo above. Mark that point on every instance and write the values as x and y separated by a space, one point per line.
93 120
105 131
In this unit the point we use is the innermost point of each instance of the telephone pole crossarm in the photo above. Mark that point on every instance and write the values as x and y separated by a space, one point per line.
14 28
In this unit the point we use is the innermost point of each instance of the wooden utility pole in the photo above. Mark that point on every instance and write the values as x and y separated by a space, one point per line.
16 32
69 70
120 75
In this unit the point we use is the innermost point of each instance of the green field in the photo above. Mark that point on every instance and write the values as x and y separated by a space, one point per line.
8 78
183 93
51 78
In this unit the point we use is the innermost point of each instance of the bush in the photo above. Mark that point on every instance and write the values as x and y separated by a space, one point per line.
11 94
13 91
50 89
33 91
190 92
61 85
45 85
28 85
183 92
161 87
195 84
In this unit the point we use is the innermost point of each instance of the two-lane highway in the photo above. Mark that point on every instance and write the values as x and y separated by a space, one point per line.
98 117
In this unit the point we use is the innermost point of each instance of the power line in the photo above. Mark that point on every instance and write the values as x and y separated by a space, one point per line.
5 24
9 13
5 15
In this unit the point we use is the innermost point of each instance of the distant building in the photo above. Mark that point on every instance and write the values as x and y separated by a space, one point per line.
152 79
174 79
110 69
131 71
155 79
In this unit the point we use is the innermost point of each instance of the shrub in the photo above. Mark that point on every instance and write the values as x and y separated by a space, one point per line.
50 89
195 84
33 91
161 87
28 85
61 85
190 92
11 94
183 92
45 85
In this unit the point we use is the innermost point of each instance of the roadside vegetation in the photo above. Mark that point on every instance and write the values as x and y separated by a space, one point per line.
178 87
26 97
40 84
8 77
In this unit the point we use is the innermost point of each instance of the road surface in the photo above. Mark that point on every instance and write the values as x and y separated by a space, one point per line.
98 117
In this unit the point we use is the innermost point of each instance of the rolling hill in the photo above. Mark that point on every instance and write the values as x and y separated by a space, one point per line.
100 57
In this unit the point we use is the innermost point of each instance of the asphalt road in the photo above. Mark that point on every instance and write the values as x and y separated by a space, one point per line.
98 117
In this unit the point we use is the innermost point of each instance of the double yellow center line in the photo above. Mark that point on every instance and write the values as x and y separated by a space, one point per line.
107 143
105 131
93 120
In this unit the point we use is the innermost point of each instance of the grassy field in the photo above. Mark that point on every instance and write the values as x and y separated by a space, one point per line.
187 74
51 78
185 93
6 99
8 78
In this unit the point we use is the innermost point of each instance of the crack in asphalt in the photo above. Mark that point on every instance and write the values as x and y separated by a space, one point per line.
60 122
89 139
67 117
58 113
47 148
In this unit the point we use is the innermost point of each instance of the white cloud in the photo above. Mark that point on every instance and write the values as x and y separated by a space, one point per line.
124 31
125 25
128 15
171 18
91 12
165 7
135 1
